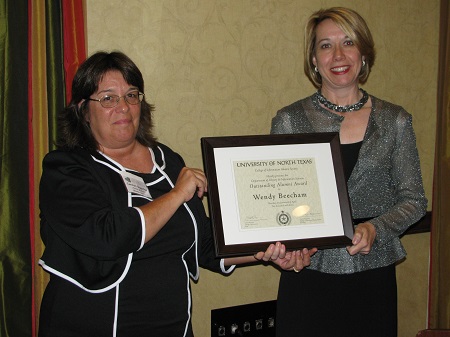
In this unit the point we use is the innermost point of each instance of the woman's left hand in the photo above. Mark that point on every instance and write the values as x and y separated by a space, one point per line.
362 239
295 260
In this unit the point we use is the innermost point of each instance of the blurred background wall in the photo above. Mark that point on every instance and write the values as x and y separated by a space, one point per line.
215 68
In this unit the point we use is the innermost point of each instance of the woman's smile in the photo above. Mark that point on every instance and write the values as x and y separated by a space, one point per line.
340 70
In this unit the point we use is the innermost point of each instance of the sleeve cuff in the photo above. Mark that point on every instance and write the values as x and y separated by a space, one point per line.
224 269
143 227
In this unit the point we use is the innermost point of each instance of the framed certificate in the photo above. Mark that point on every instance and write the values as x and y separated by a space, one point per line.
268 188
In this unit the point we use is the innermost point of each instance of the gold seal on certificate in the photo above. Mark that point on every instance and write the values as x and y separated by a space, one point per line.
283 218
284 190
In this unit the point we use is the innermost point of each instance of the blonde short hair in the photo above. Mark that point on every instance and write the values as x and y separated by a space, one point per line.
351 24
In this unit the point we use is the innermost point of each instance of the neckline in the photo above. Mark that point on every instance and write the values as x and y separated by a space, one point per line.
124 168
343 108
353 144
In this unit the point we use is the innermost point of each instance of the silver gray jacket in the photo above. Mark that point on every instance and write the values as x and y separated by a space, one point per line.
385 185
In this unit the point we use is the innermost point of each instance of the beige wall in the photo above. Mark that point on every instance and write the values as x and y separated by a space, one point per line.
225 67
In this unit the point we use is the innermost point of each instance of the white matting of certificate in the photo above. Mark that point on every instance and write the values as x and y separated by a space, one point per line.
277 193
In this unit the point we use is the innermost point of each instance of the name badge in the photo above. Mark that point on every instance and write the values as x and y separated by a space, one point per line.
135 184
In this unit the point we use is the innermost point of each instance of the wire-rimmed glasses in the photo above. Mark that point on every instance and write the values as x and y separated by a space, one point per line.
110 101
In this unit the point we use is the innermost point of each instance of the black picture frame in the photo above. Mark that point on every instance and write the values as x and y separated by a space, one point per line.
221 155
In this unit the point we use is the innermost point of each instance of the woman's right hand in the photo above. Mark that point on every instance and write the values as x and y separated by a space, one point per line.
161 209
190 181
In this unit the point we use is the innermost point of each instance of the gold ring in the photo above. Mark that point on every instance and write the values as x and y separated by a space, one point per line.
296 270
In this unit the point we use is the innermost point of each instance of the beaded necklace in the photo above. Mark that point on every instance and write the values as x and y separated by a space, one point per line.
340 108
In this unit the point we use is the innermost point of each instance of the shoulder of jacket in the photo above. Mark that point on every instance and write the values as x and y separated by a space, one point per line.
77 155
170 156
388 111
296 106
383 105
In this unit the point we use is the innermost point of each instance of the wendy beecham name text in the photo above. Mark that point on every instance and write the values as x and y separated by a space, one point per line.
279 192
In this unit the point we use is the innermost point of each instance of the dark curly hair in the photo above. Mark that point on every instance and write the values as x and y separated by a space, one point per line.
73 129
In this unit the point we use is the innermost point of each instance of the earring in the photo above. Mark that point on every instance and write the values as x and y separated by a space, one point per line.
363 63
315 69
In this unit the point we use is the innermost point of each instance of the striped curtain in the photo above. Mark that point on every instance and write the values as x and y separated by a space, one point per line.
15 251
42 44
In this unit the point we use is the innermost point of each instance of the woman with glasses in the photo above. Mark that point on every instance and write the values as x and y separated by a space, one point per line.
351 292
122 221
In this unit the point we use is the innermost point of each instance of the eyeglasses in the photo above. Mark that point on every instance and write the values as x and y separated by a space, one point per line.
110 101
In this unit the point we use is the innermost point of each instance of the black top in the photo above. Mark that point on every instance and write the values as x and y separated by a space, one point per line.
95 252
350 154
